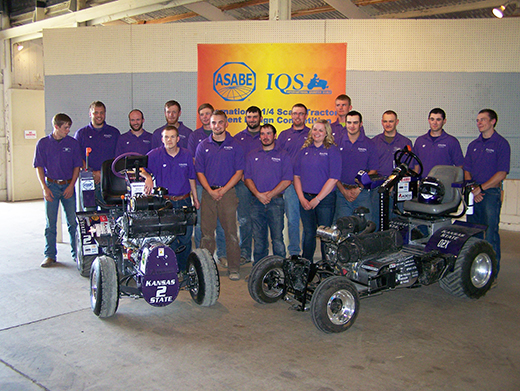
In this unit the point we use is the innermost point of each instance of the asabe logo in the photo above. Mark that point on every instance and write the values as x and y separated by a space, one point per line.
298 84
234 81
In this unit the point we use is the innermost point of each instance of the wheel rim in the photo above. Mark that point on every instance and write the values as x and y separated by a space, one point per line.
194 279
93 288
273 283
481 270
341 307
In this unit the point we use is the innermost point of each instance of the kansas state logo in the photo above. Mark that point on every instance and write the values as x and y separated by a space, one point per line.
234 81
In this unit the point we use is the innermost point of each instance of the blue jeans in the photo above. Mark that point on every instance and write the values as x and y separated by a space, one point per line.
263 217
245 199
182 240
323 214
221 239
51 213
487 212
292 211
346 208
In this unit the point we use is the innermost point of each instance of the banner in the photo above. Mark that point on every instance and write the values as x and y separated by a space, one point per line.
273 77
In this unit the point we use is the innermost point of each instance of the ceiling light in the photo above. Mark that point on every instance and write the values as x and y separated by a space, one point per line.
499 12
19 47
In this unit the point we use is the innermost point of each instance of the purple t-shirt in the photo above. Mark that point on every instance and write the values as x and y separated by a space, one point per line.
184 134
485 157
386 151
268 168
196 138
315 166
129 142
361 155
219 163
58 158
433 151
247 141
173 173
291 140
102 141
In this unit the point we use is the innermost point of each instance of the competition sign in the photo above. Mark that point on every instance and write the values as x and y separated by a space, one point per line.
273 77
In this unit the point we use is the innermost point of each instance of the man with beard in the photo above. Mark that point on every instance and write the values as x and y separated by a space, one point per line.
172 113
219 162
136 139
268 173
249 140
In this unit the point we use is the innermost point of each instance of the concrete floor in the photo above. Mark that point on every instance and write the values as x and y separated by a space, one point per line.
420 339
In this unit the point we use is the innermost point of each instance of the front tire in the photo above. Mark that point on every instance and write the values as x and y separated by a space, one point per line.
83 262
267 280
335 305
204 279
474 271
104 287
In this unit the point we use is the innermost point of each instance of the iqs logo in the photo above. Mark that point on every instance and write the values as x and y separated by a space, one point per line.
234 81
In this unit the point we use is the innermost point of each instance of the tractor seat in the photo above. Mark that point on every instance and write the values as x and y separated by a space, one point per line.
452 197
112 187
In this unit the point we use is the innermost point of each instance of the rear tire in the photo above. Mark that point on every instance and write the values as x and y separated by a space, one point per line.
335 305
474 271
267 280
104 287
203 273
83 262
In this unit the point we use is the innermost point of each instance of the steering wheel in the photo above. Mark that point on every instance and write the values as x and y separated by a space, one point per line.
405 156
118 168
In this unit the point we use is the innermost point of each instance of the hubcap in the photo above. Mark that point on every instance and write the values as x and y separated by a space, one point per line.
193 279
93 288
341 307
481 270
273 283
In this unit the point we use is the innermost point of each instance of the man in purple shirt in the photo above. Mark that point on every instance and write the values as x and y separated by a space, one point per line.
487 162
387 143
136 139
291 140
437 147
100 137
358 152
219 162
249 140
172 167
268 173
343 106
57 160
172 113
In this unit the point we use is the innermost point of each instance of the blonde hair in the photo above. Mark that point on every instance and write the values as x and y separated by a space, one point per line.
329 138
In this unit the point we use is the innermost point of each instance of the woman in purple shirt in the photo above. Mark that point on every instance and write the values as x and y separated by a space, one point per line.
317 168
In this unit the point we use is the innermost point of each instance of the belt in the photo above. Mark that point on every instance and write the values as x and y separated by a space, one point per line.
216 187
59 181
278 196
310 194
177 198
349 187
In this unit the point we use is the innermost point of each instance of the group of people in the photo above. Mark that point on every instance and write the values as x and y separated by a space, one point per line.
254 178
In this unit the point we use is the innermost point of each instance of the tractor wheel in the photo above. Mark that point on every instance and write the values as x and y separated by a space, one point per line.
204 279
267 281
83 262
104 287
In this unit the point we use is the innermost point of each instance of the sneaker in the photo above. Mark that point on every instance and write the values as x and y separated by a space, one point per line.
223 262
47 262
234 276
244 260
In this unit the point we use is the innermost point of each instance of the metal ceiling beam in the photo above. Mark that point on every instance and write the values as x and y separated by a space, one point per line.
279 10
209 11
349 9
449 9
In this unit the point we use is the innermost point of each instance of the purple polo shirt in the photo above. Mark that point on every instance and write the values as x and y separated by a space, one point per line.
361 155
485 157
184 134
433 151
196 138
219 162
102 141
173 173
247 141
268 168
58 158
291 140
129 142
339 131
315 166
386 151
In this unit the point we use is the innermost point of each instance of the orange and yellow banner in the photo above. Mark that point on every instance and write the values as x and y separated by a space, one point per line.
273 77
